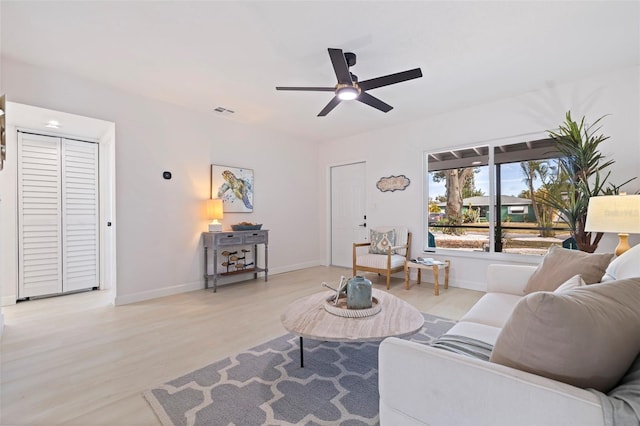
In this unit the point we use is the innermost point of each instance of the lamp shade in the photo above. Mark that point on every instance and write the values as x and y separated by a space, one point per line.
614 213
214 209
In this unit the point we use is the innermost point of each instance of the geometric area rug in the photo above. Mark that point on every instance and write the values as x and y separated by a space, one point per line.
266 386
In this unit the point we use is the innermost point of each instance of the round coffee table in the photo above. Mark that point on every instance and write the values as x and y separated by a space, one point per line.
307 317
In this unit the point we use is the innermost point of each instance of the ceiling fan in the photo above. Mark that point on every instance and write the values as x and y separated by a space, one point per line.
348 87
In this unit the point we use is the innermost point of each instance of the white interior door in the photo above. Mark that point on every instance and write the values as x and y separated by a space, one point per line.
348 211
80 211
39 215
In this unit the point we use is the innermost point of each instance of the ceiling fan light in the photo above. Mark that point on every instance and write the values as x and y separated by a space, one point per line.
347 93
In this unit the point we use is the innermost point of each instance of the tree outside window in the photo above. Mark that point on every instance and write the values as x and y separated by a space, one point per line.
524 174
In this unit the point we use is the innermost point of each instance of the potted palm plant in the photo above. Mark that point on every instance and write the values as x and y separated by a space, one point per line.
584 169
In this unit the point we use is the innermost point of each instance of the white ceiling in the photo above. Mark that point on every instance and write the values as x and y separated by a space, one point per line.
206 54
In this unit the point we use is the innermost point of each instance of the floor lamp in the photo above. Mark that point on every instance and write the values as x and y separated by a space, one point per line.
615 213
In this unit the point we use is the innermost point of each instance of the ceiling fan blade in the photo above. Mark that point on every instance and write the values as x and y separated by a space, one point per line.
366 98
386 80
340 66
331 105
310 89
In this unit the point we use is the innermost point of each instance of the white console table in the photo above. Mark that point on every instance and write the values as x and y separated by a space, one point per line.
217 241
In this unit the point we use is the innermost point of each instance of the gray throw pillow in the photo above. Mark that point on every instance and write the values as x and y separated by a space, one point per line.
381 241
586 337
560 264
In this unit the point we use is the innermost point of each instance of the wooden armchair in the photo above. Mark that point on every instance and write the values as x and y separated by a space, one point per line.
391 261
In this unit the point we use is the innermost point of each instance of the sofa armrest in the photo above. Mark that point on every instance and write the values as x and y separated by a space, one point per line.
511 279
424 385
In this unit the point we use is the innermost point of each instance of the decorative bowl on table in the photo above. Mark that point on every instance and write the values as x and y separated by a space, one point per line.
340 309
245 227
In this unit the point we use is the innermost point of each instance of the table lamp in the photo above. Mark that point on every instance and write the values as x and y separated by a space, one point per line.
615 213
214 213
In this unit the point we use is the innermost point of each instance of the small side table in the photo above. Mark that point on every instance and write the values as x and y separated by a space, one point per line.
215 241
434 266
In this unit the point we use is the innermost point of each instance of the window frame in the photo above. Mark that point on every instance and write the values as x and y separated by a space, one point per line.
492 145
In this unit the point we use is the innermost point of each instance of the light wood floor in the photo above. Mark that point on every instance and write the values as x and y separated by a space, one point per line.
77 360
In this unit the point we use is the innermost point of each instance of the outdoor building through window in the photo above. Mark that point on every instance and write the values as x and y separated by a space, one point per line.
494 198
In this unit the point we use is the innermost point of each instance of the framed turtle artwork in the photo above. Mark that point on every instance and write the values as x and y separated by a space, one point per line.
234 185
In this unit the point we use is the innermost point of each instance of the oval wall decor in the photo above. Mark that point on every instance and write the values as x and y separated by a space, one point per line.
393 183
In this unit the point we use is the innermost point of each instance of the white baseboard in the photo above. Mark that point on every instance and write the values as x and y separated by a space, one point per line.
158 292
295 267
468 285
198 285
8 300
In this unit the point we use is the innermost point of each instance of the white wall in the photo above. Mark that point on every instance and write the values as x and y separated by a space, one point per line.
400 150
2 250
158 222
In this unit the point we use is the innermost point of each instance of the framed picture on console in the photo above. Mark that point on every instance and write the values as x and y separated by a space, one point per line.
234 185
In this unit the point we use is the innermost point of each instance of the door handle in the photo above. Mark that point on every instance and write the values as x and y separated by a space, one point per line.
363 224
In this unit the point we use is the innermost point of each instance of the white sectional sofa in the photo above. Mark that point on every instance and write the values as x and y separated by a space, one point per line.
424 385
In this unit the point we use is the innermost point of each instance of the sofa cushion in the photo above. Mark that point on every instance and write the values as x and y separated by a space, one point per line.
587 337
492 309
381 241
571 283
627 265
560 264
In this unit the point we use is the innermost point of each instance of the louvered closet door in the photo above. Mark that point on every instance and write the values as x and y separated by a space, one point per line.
39 215
80 215
58 215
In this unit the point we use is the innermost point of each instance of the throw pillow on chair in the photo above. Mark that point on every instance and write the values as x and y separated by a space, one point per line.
381 241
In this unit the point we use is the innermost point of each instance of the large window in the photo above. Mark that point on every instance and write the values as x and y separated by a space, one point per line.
492 198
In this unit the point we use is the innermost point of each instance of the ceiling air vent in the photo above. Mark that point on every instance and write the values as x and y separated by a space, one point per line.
223 111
